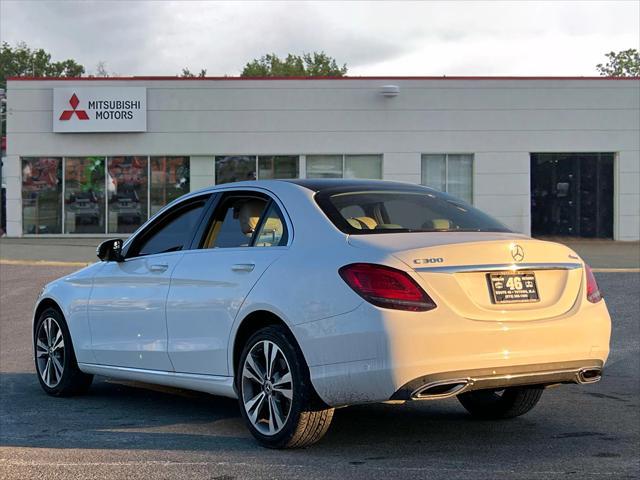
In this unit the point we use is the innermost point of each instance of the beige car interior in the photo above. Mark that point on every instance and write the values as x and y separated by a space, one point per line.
438 224
368 223
249 215
248 212
362 223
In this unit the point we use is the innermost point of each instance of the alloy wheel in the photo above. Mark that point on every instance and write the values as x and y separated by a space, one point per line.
267 387
50 352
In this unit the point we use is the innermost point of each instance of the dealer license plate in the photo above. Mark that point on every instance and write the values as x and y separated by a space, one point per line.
513 287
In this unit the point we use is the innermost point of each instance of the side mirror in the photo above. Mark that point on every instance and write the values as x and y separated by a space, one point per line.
110 250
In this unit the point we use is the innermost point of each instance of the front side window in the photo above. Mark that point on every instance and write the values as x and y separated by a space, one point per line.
127 190
411 210
171 233
84 202
451 173
41 195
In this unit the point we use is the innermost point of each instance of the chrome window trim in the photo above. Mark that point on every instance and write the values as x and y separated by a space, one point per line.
499 267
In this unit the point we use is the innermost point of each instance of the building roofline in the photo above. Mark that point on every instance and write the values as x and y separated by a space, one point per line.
188 79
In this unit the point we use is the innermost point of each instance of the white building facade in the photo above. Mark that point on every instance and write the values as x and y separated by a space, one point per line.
546 156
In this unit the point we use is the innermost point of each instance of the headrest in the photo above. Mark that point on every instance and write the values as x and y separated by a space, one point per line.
249 215
369 222
362 223
440 224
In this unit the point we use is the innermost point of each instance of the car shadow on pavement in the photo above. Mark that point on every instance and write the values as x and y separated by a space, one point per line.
133 416
117 415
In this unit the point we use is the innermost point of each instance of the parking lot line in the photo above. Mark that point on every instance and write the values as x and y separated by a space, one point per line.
43 263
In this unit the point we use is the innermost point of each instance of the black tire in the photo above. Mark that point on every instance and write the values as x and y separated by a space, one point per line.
308 418
72 381
495 404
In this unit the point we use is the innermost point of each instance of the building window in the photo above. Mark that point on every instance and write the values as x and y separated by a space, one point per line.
169 180
451 173
363 166
344 166
127 189
98 195
237 168
42 195
84 202
278 166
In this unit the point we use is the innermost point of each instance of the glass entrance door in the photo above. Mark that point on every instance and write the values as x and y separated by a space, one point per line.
572 194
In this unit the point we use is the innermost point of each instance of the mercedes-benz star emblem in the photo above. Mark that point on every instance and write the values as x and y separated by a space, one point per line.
517 253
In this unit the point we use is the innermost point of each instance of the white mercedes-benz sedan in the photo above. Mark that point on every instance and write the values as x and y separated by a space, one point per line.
297 297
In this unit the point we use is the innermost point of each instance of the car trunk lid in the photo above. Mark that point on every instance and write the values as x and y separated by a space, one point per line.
468 271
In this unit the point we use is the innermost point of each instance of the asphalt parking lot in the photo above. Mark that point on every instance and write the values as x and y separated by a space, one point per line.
138 431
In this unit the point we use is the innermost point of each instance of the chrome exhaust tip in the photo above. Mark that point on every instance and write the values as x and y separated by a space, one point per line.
589 375
442 389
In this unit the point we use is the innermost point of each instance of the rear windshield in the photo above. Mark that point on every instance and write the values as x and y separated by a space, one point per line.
389 211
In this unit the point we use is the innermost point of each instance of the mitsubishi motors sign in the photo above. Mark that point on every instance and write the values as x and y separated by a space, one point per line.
100 109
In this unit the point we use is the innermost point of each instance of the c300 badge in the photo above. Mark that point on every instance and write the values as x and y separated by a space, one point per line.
422 261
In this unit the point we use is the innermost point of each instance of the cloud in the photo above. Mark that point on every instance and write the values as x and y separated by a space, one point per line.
373 38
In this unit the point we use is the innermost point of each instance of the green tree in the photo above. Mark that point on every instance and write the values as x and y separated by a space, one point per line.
186 73
22 61
625 63
308 65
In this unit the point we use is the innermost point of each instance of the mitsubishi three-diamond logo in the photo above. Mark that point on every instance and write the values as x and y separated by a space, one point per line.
67 114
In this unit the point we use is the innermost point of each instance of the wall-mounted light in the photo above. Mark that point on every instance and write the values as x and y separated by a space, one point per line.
390 90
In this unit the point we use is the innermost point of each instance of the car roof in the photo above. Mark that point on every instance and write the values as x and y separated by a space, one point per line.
321 184
315 185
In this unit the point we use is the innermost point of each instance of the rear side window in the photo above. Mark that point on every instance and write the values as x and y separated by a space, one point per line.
416 210
246 220
272 231
172 232
235 222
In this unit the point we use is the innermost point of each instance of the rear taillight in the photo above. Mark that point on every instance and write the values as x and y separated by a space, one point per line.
593 292
386 287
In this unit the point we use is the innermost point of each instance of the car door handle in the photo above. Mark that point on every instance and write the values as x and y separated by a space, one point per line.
243 267
159 267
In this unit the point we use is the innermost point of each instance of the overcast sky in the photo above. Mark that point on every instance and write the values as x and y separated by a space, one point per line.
372 38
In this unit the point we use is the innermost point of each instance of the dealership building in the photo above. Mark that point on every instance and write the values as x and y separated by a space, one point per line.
546 156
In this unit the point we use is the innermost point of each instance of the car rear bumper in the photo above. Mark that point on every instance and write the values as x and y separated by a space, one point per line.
373 354
449 384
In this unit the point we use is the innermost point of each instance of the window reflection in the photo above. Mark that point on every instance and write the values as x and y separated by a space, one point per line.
235 168
42 195
84 195
452 173
169 180
324 166
363 166
277 166
127 192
